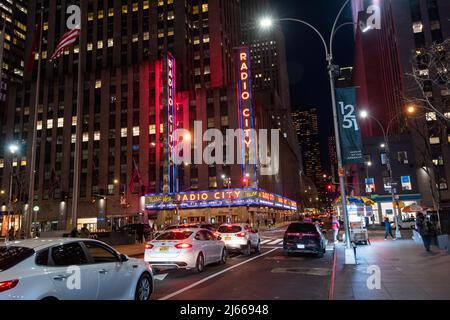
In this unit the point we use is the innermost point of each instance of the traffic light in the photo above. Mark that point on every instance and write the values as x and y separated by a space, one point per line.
244 181
329 187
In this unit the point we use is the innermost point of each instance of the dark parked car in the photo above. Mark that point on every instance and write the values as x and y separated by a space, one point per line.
133 229
304 237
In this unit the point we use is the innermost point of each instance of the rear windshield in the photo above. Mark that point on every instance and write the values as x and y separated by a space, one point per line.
10 256
229 229
302 227
174 235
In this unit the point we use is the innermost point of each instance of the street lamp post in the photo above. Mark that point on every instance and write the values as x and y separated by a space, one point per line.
267 23
385 145
13 148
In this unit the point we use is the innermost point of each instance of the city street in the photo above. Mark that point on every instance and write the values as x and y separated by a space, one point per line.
266 276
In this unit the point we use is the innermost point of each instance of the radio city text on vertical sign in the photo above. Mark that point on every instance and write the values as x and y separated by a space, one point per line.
245 93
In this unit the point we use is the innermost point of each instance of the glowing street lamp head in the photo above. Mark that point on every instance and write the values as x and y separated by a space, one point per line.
13 148
411 109
266 23
364 114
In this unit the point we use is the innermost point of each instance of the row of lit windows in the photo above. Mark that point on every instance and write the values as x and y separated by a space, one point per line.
23 162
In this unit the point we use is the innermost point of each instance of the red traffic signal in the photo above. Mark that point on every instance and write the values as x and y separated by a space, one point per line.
329 187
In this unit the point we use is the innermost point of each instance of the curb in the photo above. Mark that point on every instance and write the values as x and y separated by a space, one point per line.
333 273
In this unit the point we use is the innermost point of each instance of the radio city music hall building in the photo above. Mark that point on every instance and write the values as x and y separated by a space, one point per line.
148 67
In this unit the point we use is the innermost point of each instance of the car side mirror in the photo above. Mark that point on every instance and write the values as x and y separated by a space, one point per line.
219 238
123 258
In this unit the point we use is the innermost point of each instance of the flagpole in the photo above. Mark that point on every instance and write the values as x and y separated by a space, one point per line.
29 211
78 141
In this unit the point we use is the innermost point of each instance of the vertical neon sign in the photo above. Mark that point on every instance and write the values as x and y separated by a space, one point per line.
171 118
244 95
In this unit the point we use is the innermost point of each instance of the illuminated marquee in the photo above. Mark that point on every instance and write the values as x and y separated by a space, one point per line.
171 112
219 198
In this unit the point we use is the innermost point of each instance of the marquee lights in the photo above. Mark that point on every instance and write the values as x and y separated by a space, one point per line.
219 198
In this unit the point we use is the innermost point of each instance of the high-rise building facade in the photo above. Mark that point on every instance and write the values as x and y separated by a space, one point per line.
307 128
13 30
383 69
125 47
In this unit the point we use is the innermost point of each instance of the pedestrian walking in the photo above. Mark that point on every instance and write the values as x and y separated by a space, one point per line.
425 229
140 232
74 233
84 232
335 225
388 229
11 233
266 223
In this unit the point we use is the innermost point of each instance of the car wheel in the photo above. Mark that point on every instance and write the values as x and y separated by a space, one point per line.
49 299
144 288
200 264
248 249
224 256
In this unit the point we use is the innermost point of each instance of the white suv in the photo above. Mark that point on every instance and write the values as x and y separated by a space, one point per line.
240 237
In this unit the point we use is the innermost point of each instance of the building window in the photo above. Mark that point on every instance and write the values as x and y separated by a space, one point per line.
383 158
435 140
417 27
402 157
430 116
406 183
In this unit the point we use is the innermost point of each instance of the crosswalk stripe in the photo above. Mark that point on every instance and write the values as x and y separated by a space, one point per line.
276 241
265 241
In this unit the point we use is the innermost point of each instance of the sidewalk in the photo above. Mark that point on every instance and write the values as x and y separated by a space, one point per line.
408 272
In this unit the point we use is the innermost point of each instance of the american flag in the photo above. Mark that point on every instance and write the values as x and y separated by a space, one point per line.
67 39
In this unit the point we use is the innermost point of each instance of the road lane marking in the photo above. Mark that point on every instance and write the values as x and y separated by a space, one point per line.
160 277
215 275
265 241
275 241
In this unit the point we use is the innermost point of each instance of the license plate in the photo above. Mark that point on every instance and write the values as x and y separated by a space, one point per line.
227 238
300 246
164 249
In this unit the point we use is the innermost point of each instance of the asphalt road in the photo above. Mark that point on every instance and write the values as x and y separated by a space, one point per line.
265 276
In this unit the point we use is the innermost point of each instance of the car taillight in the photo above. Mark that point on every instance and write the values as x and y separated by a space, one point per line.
241 234
6 285
183 246
149 246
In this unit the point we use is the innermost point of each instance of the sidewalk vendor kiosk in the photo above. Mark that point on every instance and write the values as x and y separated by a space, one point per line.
359 212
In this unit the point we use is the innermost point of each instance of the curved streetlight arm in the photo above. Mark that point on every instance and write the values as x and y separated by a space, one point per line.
315 30
334 29
341 26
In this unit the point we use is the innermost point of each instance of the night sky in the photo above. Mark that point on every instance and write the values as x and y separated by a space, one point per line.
306 56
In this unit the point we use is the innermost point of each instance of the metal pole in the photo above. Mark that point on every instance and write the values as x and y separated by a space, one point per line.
78 142
339 155
9 202
394 200
29 211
